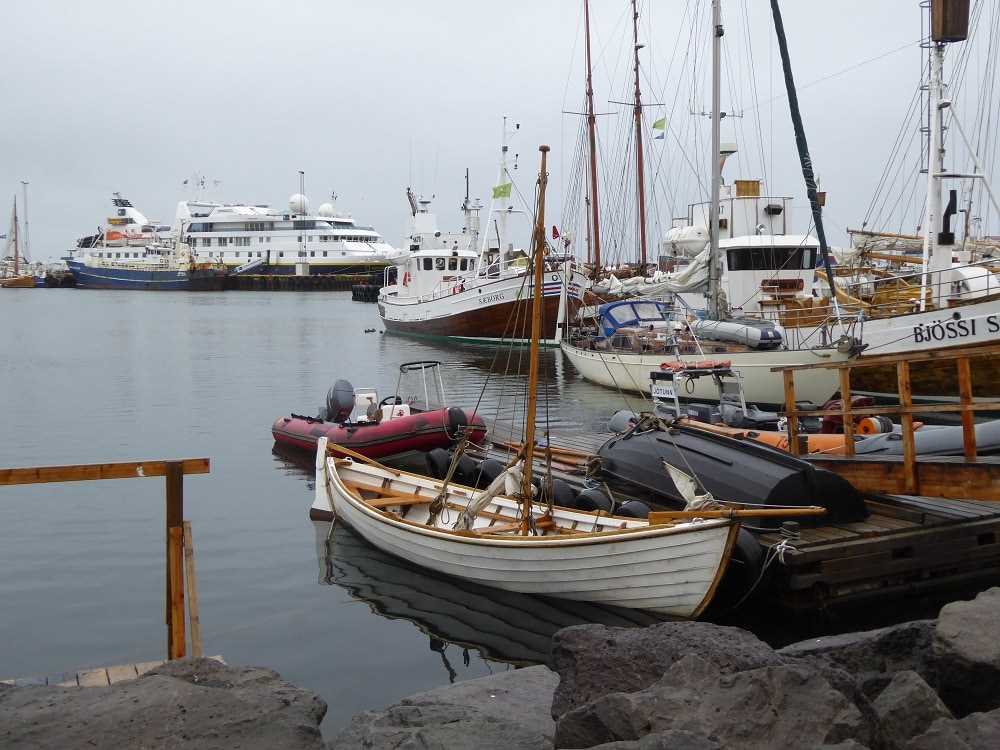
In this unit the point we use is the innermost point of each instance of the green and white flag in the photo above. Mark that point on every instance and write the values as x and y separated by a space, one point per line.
502 191
660 124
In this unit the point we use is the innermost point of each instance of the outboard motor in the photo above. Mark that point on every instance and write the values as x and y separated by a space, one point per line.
339 402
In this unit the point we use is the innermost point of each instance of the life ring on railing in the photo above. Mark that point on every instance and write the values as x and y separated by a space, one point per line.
406 279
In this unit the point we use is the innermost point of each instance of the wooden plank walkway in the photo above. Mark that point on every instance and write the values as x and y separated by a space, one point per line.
907 544
98 677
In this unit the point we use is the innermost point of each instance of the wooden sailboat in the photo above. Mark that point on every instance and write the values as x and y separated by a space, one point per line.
16 279
505 539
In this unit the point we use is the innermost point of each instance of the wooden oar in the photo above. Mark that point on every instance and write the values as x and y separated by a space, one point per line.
666 516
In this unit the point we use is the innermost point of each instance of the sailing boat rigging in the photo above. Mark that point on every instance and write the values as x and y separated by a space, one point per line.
621 355
13 278
506 538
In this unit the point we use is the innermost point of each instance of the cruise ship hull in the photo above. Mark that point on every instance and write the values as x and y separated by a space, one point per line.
95 277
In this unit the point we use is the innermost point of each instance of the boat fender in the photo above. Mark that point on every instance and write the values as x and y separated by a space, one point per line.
437 461
593 499
490 469
622 421
562 494
633 509
874 425
467 471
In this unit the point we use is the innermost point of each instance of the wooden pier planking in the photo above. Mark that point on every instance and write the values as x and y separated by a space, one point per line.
97 677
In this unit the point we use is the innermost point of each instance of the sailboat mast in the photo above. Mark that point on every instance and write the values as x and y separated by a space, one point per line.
714 266
595 232
804 158
538 253
935 166
27 234
17 239
640 179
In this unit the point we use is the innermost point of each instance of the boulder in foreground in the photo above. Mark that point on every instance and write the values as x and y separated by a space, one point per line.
198 703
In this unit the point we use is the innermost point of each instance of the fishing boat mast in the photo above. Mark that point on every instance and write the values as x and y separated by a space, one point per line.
538 253
640 179
714 262
595 232
17 239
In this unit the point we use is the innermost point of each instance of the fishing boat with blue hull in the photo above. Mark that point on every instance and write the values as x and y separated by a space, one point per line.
164 276
135 253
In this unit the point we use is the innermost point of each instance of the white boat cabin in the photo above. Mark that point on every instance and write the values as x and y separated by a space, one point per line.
767 267
436 272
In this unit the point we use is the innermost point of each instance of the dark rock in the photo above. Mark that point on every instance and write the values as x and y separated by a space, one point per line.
967 650
974 732
906 708
873 656
199 703
671 740
594 660
509 710
772 706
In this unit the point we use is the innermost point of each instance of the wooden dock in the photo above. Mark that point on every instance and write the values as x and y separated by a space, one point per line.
98 677
908 544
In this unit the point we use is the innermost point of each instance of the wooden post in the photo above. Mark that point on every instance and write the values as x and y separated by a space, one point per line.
791 412
194 620
906 421
175 561
845 400
968 418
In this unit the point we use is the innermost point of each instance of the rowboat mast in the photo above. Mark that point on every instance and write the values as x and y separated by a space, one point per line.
592 138
538 253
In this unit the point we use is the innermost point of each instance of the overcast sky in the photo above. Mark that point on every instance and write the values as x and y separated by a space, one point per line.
368 97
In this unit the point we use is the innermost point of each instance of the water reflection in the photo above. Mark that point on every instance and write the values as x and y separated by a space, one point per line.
500 625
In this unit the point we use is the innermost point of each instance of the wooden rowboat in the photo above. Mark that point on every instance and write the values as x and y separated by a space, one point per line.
672 568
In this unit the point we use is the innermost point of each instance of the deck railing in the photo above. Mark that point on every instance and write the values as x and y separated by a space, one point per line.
179 546
966 406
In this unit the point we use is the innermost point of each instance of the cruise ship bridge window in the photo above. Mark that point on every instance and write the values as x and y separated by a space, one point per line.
427 264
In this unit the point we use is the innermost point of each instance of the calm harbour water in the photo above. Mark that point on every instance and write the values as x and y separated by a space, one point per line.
91 376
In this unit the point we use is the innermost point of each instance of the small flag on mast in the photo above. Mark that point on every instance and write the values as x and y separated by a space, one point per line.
502 191
660 125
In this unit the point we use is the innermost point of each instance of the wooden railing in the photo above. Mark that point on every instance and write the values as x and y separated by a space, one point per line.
179 546
966 405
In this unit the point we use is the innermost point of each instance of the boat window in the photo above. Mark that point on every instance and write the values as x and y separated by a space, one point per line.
452 264
300 224
472 264
464 265
620 314
428 264
439 264
771 258
647 311
324 253
281 254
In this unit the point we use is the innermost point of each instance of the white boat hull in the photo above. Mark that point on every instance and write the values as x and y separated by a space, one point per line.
630 372
976 324
671 570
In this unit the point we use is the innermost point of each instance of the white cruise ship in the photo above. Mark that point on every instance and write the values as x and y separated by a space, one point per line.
258 239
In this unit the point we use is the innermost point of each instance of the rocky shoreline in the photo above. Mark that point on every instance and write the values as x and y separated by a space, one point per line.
690 686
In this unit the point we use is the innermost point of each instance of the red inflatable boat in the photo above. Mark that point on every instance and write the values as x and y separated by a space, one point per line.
418 431
358 420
